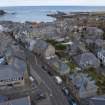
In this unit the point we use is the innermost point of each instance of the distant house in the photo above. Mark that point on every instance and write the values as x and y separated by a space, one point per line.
14 51
17 66
59 67
10 76
73 48
20 101
101 56
76 48
87 60
85 85
42 48
89 42
93 33
99 44
1 28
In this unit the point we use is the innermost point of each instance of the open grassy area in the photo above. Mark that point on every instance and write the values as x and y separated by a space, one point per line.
57 45
53 42
72 66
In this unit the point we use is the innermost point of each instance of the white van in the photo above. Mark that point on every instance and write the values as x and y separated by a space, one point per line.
58 80
31 78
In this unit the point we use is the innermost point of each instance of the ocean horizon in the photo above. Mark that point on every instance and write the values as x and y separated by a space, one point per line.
39 13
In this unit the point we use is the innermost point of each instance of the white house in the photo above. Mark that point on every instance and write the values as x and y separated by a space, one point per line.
101 56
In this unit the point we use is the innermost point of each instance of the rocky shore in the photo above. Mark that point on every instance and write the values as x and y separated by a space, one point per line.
2 12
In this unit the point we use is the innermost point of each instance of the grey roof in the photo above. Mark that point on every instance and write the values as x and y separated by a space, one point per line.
41 44
80 80
7 72
14 50
94 29
100 42
89 41
19 64
86 57
60 67
21 101
98 100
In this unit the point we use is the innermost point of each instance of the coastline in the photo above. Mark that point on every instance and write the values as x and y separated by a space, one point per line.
38 13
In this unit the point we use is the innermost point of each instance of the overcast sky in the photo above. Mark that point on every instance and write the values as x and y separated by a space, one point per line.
50 2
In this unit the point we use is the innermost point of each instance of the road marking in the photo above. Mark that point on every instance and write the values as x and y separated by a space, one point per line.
39 78
101 99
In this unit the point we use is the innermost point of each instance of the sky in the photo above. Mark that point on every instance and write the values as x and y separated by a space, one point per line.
51 2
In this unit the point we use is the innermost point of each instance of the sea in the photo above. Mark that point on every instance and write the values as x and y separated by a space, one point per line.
39 13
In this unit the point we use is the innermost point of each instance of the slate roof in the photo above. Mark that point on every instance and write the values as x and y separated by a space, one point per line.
19 64
81 80
14 50
100 42
41 44
8 71
98 100
86 57
94 29
59 66
21 101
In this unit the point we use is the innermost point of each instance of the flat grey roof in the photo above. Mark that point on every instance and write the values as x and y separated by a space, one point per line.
8 71
21 101
98 100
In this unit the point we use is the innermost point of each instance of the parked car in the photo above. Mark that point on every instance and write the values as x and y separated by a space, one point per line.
50 73
65 91
58 80
31 78
2 60
40 96
69 97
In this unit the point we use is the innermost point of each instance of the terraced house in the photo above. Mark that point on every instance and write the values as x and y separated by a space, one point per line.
42 48
85 85
13 74
101 56
87 60
60 67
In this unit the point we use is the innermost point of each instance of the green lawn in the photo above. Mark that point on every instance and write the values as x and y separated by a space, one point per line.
57 45
72 66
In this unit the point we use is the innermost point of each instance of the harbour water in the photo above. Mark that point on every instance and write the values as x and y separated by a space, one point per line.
38 13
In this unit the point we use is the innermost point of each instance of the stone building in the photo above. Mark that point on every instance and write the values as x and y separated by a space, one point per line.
85 85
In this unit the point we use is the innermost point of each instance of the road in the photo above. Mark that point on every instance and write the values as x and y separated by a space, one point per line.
55 93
